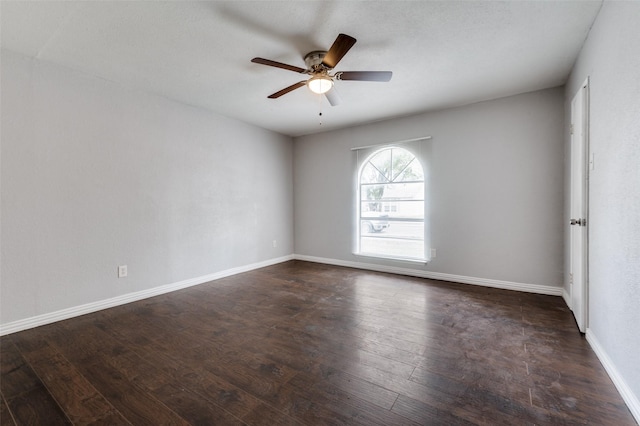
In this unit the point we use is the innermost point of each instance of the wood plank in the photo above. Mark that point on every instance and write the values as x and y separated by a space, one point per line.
17 376
135 404
426 414
194 408
24 397
214 389
36 407
6 419
335 381
265 415
81 402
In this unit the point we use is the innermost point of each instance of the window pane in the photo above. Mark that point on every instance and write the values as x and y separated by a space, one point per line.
392 191
373 226
405 230
410 173
394 210
403 191
401 161
394 239
371 175
382 162
372 192
392 248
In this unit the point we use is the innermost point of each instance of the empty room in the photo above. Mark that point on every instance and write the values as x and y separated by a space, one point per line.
320 212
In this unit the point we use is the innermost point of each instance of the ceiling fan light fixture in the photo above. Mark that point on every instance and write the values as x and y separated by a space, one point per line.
320 84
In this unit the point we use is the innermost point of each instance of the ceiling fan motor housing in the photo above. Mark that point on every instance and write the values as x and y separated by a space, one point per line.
314 59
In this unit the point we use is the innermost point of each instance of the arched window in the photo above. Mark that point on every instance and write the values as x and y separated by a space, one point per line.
391 205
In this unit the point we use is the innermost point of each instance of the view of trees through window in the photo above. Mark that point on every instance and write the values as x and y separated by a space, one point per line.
391 211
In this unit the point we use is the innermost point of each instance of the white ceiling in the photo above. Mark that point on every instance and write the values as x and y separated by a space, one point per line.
442 53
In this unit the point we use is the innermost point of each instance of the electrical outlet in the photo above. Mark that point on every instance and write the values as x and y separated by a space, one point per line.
433 253
122 271
275 243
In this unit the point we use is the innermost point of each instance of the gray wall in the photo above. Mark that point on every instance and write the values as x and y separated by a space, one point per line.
496 171
94 176
611 60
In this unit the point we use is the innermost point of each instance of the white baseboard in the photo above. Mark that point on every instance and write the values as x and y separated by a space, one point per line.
88 308
627 394
507 285
567 298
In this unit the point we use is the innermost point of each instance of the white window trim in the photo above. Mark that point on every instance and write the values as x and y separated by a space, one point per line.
358 235
397 259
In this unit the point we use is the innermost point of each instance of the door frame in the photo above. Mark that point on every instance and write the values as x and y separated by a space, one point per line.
581 312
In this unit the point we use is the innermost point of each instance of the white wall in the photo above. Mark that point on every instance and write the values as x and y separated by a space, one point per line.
496 172
94 176
611 60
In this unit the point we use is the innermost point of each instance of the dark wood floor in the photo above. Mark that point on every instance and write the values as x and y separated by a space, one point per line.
303 343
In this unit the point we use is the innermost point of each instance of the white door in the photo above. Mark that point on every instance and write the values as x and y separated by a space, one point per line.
578 198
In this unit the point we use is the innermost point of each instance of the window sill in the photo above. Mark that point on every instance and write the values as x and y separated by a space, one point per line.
396 259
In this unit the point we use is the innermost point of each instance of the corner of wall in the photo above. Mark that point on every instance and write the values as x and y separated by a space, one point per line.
616 377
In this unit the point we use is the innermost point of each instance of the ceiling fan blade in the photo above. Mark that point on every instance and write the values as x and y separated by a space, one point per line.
364 75
333 97
287 90
338 49
278 65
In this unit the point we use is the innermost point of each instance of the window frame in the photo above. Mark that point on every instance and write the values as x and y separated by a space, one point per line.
386 204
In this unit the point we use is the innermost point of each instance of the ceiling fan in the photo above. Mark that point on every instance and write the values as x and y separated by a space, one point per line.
320 64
